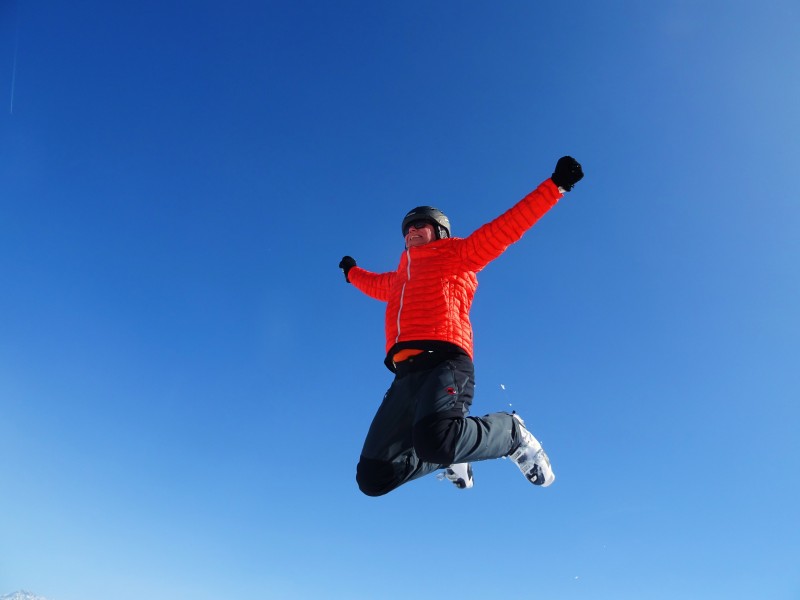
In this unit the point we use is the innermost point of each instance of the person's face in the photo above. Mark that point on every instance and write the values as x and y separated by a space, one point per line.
419 233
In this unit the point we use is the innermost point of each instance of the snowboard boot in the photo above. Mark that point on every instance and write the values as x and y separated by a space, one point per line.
531 458
460 474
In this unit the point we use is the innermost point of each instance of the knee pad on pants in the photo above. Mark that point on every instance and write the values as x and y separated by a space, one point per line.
376 477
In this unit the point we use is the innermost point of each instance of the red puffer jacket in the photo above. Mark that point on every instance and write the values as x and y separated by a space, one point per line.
430 294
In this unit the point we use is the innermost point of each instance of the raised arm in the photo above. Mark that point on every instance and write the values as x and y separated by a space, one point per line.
491 240
374 285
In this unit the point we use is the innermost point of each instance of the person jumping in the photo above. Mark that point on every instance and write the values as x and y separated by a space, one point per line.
423 422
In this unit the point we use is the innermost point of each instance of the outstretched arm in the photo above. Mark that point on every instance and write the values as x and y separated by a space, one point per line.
491 240
374 285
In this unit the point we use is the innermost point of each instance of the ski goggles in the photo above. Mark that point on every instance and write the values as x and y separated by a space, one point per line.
418 224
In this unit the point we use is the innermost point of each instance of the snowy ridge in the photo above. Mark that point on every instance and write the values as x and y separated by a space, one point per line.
22 595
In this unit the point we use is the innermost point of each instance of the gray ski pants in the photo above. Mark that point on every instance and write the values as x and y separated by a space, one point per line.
423 425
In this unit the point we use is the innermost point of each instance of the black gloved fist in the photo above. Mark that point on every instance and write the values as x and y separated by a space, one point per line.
347 263
568 172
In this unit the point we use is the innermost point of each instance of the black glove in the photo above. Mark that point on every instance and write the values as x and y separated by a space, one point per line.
568 172
347 263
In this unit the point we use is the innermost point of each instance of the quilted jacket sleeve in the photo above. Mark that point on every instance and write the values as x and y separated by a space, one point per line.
491 240
374 285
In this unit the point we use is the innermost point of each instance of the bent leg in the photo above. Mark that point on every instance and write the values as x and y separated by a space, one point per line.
442 431
388 459
447 440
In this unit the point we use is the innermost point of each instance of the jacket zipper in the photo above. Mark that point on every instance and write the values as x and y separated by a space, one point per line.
403 292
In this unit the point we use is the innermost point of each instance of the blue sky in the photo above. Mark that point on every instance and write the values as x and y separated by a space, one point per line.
186 380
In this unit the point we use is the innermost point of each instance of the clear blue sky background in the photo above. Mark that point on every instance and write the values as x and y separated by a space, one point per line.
186 380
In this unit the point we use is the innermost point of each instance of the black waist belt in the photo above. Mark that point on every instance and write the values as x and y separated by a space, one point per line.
421 362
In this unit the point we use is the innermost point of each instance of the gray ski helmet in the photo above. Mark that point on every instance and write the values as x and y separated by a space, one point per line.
433 216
